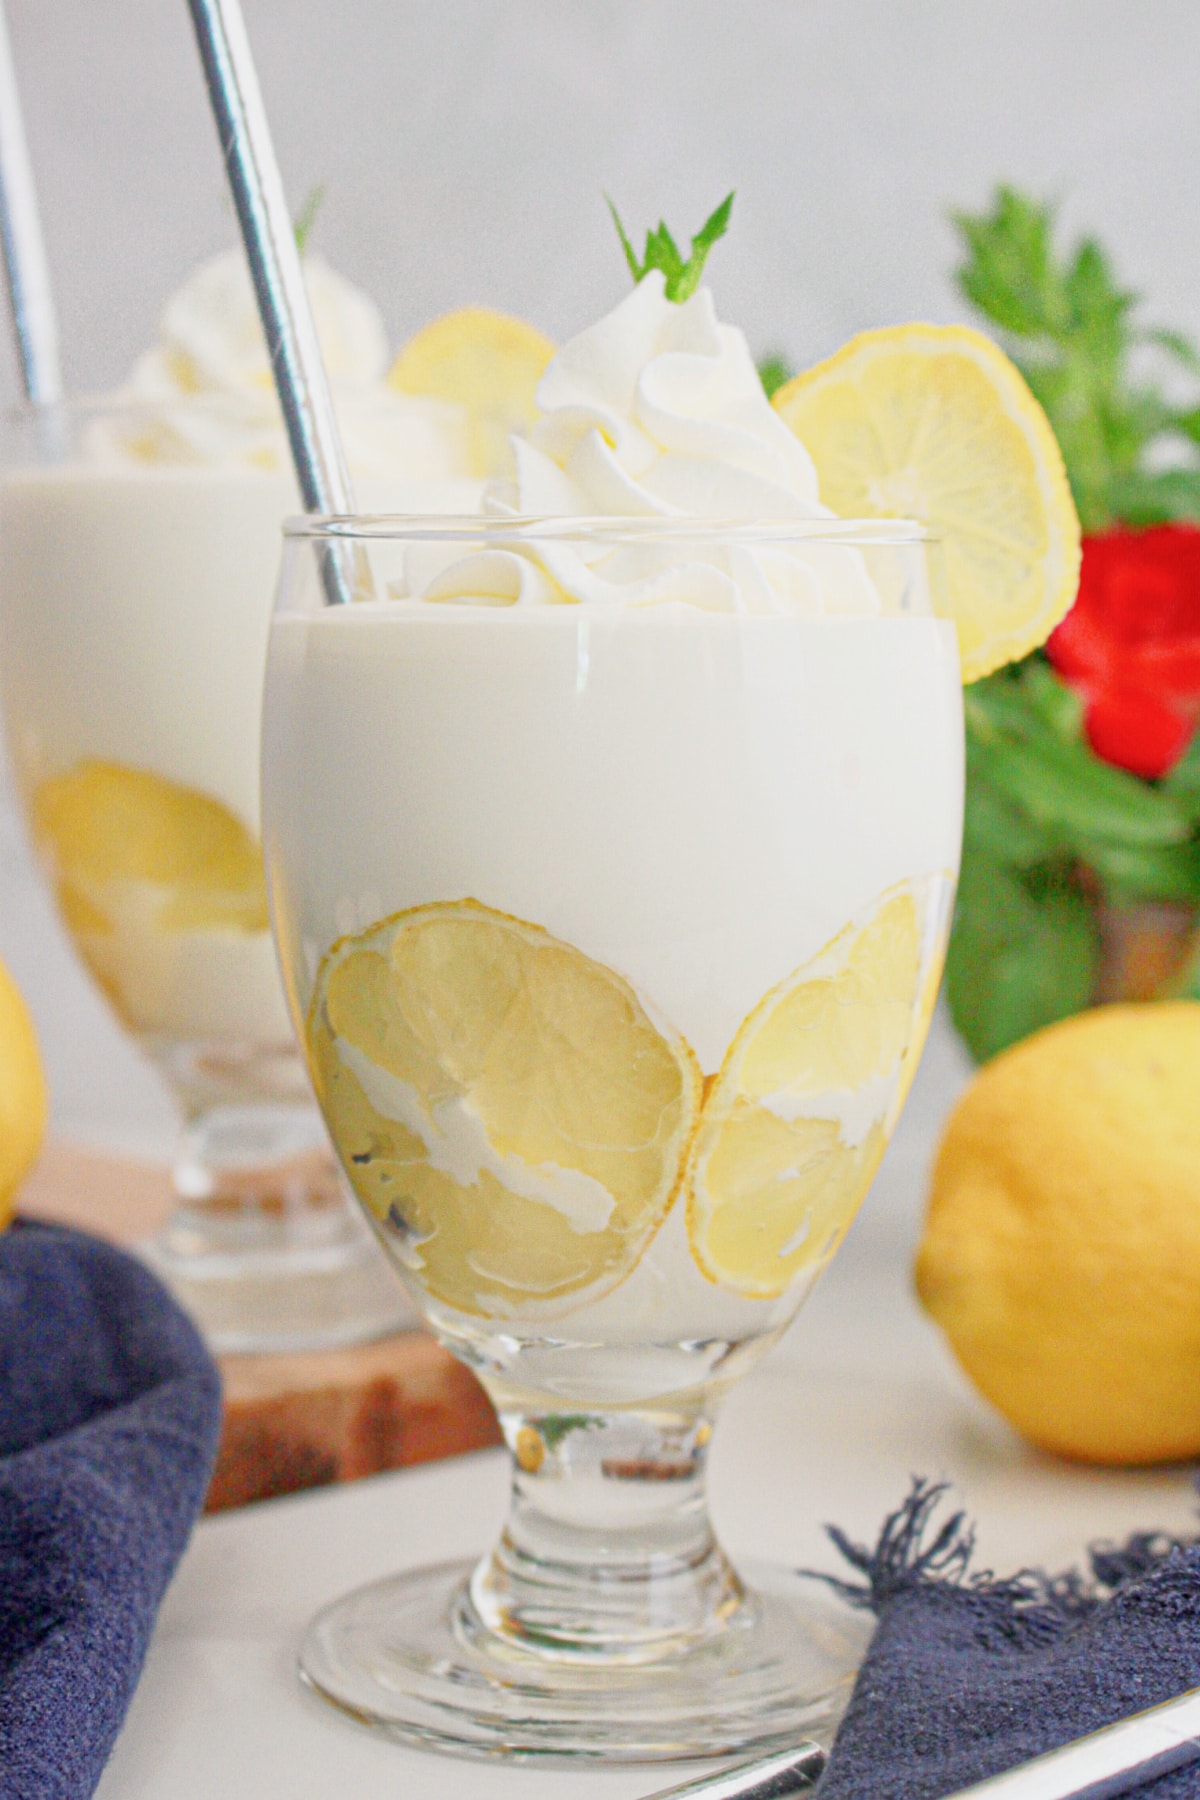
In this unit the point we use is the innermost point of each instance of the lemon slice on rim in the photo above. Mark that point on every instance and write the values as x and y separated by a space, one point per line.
798 1119
503 1102
934 423
483 360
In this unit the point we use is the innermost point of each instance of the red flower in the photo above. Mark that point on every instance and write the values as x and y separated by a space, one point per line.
1131 645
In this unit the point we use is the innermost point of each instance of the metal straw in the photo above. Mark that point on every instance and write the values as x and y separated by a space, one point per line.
1116 1760
23 247
778 1777
270 241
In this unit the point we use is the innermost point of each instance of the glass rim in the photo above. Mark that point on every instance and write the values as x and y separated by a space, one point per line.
496 533
262 404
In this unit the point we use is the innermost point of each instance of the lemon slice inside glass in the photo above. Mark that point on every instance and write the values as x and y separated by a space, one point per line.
483 360
799 1115
122 838
503 1101
935 423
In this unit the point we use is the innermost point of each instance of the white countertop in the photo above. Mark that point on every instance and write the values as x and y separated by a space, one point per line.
860 1396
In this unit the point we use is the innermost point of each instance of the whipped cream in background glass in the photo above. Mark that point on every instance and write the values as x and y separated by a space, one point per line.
205 393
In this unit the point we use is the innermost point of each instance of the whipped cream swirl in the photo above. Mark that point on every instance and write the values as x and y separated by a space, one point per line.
204 393
657 412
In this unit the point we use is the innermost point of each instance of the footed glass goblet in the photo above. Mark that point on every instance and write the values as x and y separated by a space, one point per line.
136 585
611 931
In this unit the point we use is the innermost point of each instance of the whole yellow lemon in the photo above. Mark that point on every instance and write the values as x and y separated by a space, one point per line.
1061 1253
23 1100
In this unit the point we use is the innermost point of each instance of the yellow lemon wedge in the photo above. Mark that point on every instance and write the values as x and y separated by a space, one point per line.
483 360
23 1101
798 1118
118 835
934 423
503 1101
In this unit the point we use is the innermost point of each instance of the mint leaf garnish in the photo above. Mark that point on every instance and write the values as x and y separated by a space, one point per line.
306 218
774 372
635 268
662 252
557 1426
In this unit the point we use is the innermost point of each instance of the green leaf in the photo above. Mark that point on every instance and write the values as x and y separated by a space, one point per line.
1054 704
997 828
1005 705
712 230
1036 790
1156 497
1070 327
1183 782
1180 348
662 252
1037 795
635 268
1132 873
306 218
1070 793
1010 273
1186 986
1027 699
774 372
1098 307
1023 952
554 1427
1187 423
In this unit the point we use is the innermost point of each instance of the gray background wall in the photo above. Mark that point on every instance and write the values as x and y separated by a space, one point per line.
465 145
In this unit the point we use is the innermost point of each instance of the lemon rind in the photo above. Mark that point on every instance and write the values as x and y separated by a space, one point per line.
723 1093
684 1056
1019 405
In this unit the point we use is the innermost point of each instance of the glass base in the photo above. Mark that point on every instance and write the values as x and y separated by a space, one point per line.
411 1658
265 1249
284 1297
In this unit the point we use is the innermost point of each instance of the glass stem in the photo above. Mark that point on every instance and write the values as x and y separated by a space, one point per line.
608 1553
263 1247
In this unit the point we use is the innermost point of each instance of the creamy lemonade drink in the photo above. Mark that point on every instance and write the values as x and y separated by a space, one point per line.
137 562
612 969
611 848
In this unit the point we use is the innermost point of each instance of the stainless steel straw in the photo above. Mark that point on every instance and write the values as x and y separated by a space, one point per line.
270 241
777 1777
24 249
1116 1760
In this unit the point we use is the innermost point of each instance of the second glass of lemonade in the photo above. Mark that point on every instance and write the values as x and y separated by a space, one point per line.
137 571
612 931
139 545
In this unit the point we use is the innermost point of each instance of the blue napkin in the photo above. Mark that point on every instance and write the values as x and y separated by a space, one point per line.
109 1415
968 1675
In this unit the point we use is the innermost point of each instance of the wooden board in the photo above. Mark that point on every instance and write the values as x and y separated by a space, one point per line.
295 1421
